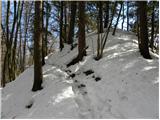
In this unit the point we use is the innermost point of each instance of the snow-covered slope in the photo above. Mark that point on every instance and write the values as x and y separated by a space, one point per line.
120 85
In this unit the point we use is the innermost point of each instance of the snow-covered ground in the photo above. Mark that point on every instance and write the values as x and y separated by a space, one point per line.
121 85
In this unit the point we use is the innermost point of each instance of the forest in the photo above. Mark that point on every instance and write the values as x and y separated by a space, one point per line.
79 59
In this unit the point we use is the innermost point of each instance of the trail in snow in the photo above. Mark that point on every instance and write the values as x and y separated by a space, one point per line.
127 88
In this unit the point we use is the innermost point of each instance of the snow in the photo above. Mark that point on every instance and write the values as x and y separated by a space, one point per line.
128 85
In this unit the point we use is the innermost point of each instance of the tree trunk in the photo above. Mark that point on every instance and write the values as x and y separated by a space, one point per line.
48 9
127 16
7 20
117 20
20 48
14 20
108 30
123 17
65 22
143 30
100 17
98 43
152 32
0 44
107 15
43 39
81 32
15 43
6 58
138 35
26 22
11 59
61 27
38 47
72 22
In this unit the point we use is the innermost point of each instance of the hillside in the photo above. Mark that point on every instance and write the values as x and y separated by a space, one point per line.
121 85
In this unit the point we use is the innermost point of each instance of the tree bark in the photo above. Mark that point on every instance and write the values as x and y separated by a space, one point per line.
38 47
143 30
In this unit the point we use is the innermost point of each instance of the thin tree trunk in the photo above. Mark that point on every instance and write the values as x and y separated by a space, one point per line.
115 27
65 22
7 20
61 26
26 22
152 32
123 17
38 47
0 44
98 43
127 16
138 35
20 48
48 9
15 43
14 20
6 58
106 34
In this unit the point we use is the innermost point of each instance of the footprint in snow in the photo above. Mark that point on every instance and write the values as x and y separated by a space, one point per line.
30 104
